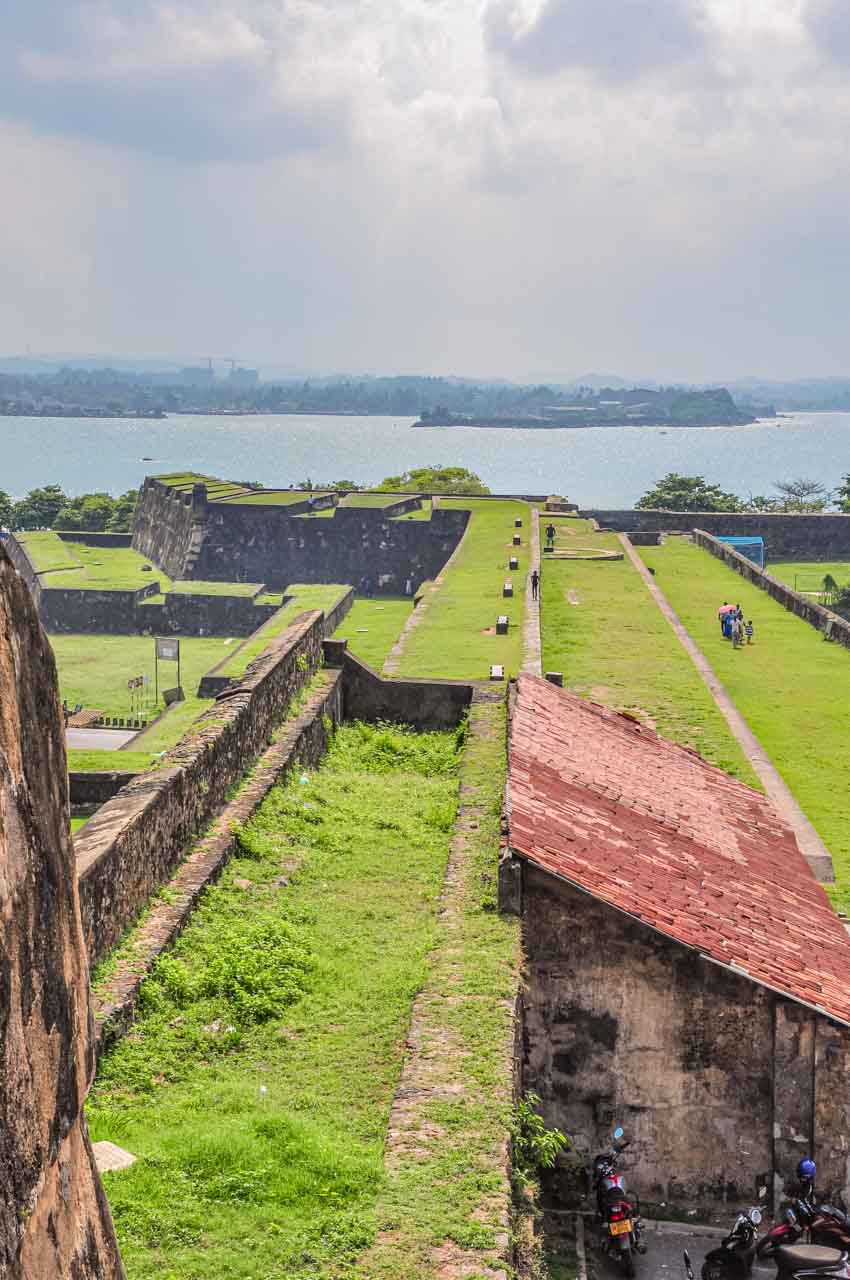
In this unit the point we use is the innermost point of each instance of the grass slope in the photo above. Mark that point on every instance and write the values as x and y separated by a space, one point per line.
46 550
448 1189
373 626
615 647
106 569
787 686
305 597
256 1084
456 637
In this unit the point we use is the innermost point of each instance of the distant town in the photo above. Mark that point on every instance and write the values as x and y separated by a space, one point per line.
229 388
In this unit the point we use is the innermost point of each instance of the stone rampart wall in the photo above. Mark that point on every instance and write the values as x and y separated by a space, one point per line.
163 527
815 614
97 787
95 538
425 704
786 536
128 850
357 545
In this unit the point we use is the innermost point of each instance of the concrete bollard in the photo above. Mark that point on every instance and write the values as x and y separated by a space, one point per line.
507 589
502 624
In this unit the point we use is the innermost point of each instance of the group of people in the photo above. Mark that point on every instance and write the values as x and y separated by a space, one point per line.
732 625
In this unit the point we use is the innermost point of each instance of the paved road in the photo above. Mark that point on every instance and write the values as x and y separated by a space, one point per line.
665 1244
98 739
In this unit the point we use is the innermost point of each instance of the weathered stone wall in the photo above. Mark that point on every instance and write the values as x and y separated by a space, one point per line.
54 1220
815 614
426 704
624 1027
95 538
132 844
786 536
92 787
357 545
721 1084
166 527
120 613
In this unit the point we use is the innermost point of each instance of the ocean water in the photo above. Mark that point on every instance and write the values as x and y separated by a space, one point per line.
604 467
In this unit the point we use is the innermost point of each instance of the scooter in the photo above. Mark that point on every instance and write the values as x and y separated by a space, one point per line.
618 1219
801 1262
733 1257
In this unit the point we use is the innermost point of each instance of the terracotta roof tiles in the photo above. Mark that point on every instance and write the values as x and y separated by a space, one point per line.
653 829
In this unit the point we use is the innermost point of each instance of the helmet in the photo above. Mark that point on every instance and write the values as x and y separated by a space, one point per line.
807 1170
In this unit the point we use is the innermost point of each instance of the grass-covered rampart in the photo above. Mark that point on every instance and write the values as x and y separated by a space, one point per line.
456 638
602 629
373 625
256 1084
788 686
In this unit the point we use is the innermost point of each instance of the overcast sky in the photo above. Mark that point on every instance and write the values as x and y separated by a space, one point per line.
515 188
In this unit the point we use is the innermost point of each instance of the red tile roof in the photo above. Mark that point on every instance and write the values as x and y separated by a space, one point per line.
652 829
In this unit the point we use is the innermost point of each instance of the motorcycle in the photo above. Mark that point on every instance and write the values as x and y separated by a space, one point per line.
618 1219
801 1262
822 1224
733 1258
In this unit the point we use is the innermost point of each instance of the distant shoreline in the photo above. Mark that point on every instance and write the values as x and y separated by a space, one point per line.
525 424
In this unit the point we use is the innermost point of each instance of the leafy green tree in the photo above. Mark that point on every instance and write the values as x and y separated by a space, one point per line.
39 508
436 480
688 493
7 510
91 511
842 493
802 495
123 510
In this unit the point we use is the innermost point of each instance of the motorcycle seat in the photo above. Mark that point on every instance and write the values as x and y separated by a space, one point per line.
808 1257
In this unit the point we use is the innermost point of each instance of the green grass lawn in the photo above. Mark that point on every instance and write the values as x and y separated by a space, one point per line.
614 646
373 626
788 685
46 551
94 669
109 761
106 569
457 636
807 575
372 499
256 1084
306 596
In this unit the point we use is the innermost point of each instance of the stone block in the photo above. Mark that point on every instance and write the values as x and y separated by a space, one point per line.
109 1158
513 563
556 677
502 624
517 524
507 589
517 540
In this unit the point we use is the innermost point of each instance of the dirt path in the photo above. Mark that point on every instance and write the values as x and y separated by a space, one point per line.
531 627
814 850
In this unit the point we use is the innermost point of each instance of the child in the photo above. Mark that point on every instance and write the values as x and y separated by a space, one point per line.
749 630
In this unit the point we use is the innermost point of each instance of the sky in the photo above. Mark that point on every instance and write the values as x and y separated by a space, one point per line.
513 188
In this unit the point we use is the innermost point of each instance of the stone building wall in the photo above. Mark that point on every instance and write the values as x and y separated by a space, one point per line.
164 527
54 1219
711 1075
786 536
815 614
130 847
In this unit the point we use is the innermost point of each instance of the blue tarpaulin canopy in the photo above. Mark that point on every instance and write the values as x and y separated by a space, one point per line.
751 547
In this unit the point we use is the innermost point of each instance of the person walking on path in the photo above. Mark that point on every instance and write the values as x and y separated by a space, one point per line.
749 631
737 633
535 583
550 534
721 613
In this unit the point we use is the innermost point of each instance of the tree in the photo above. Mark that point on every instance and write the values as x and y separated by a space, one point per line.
687 493
39 508
91 511
7 510
842 493
435 479
802 495
123 510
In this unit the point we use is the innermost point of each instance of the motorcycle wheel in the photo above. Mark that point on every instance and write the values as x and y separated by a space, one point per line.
713 1271
766 1249
627 1263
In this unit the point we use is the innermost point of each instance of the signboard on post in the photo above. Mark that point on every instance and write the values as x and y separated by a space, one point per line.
166 649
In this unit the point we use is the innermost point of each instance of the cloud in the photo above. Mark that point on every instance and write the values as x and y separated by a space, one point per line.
612 38
828 23
194 81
